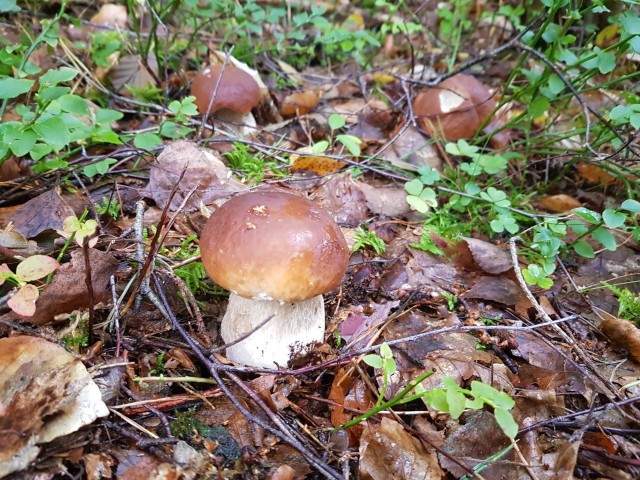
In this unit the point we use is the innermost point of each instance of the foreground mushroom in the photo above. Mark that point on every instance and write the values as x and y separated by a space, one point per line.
277 254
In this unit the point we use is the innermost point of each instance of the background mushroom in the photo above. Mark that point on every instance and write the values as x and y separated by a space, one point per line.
237 94
276 253
456 108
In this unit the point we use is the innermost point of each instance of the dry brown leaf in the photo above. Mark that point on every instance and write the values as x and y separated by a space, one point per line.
559 203
388 451
496 289
387 202
132 72
299 103
47 211
45 393
203 171
595 174
316 164
622 333
111 15
411 150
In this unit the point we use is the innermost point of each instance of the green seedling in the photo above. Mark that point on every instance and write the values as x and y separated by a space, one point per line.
367 239
24 294
350 142
384 362
80 230
628 303
110 207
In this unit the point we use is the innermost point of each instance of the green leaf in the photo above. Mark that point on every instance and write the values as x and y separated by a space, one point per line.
538 107
23 144
630 22
40 150
428 175
613 218
52 93
584 249
506 421
352 143
419 204
436 398
336 121
631 206
74 104
372 360
606 238
59 75
53 132
14 87
552 33
556 85
414 187
320 147
456 401
606 62
586 214
9 6
106 115
147 141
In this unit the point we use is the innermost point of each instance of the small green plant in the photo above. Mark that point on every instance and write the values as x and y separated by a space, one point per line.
454 400
628 303
450 398
368 239
350 142
24 294
110 207
452 300
81 230
159 369
254 167
384 362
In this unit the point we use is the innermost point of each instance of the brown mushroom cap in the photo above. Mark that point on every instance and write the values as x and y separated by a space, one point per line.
273 246
237 91
455 109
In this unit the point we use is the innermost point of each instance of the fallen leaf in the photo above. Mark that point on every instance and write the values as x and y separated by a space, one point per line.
204 172
45 393
385 201
130 71
23 301
489 257
111 15
299 103
496 289
560 203
47 211
316 164
622 333
388 451
411 150
595 174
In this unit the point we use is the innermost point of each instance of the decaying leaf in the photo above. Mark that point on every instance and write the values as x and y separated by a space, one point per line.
23 301
388 451
489 257
203 171
560 203
44 212
45 393
131 71
299 103
316 164
622 333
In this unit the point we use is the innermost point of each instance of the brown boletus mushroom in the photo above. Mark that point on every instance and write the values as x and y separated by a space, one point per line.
456 108
237 94
277 253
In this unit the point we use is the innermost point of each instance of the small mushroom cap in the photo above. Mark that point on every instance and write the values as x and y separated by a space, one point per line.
273 246
237 91
455 109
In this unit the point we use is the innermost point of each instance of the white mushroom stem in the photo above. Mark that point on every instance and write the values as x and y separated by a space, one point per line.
294 325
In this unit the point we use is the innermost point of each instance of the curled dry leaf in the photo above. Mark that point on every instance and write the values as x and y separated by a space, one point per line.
316 164
299 103
47 211
489 257
45 393
203 171
622 333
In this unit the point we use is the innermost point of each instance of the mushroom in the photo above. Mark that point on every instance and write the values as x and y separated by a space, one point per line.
457 108
237 94
277 253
